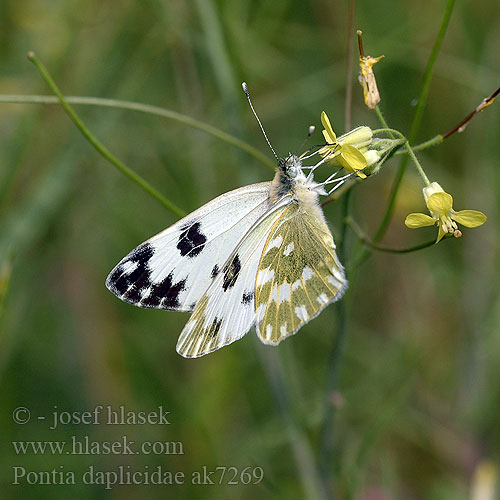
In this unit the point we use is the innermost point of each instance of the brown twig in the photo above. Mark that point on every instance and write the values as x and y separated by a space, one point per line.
360 43
463 124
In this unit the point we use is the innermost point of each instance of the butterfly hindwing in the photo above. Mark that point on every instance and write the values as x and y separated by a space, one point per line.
173 269
227 310
298 274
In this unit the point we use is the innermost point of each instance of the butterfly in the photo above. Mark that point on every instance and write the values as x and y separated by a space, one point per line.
260 255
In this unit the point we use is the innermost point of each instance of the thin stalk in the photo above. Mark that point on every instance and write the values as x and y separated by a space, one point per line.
460 127
301 449
417 119
435 141
381 119
419 168
366 241
350 55
409 150
98 145
144 108
327 431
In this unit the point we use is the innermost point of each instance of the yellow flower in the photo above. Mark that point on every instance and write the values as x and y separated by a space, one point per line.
440 205
346 148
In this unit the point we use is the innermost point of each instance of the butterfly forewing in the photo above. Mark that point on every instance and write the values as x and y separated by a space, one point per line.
298 274
173 269
227 310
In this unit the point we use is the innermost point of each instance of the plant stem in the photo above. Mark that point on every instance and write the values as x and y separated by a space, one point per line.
327 431
382 120
438 139
98 145
409 150
460 127
482 105
419 168
366 241
301 449
417 119
350 55
144 108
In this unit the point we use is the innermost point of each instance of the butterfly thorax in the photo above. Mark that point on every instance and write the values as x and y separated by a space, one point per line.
291 181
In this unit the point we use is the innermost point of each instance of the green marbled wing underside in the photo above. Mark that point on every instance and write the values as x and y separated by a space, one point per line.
298 274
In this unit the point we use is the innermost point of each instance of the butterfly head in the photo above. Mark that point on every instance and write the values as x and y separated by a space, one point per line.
290 167
288 177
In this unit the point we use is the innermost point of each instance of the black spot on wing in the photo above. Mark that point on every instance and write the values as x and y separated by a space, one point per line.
142 254
215 271
134 294
133 286
165 295
231 273
247 297
191 241
117 282
127 285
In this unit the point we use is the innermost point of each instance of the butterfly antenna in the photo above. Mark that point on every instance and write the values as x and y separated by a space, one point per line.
310 132
245 89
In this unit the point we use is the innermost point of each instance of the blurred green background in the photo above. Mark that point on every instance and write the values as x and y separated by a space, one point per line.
416 406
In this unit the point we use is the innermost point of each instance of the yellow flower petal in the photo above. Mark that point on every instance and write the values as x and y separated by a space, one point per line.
469 218
327 137
352 160
330 134
358 137
353 156
414 221
441 233
440 203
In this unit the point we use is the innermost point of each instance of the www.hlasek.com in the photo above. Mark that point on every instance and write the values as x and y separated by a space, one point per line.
125 475
85 446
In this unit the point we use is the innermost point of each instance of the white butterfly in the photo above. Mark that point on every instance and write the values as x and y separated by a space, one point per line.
259 255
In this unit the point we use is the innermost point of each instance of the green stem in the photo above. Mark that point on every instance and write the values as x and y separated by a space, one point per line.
438 139
366 241
382 120
98 145
144 108
417 164
417 119
409 150
350 56
301 449
327 431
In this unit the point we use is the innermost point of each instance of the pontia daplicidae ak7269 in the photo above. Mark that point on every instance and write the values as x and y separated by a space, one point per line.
260 255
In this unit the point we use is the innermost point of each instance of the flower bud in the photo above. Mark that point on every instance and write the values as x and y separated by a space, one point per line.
432 188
